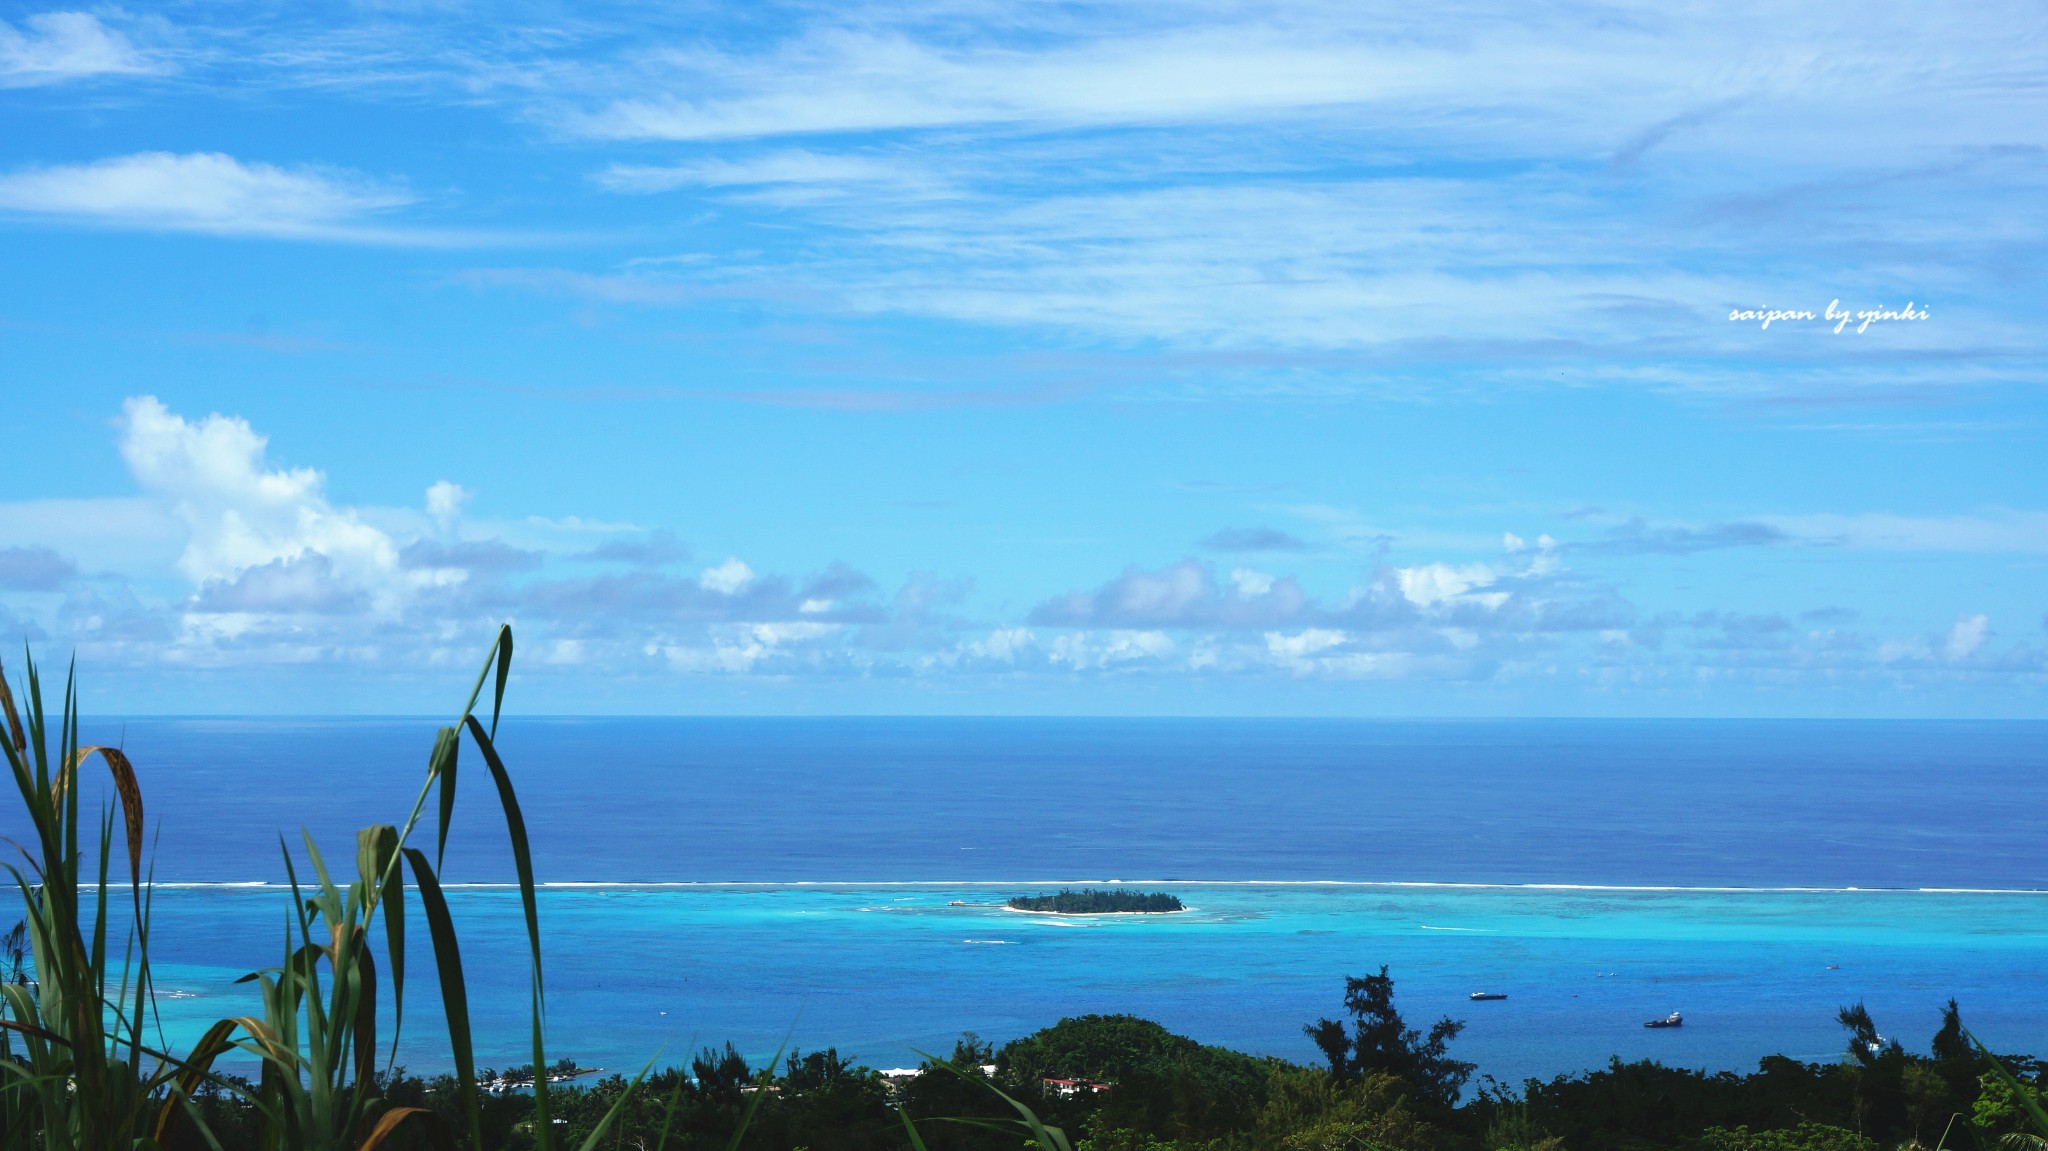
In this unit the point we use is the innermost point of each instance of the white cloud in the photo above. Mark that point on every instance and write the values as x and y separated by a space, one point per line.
445 501
1297 647
1505 75
1966 637
1004 644
1094 651
793 166
1512 543
52 47
239 511
840 81
728 578
1298 176
1251 583
209 192
1428 585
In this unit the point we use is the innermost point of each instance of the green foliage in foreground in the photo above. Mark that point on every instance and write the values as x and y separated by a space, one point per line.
1089 901
77 1072
1169 1093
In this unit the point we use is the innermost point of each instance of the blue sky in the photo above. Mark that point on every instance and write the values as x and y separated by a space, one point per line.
1072 358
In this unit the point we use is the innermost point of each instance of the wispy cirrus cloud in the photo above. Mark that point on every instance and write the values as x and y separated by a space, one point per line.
1639 537
2010 531
200 192
218 194
793 166
1484 69
55 47
1454 188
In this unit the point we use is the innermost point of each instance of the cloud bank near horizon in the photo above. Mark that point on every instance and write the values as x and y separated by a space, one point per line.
269 571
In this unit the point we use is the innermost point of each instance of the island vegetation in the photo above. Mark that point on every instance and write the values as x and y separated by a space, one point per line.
1089 901
80 1070
1121 1083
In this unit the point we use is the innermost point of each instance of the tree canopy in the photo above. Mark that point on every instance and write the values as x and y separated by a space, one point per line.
1379 1041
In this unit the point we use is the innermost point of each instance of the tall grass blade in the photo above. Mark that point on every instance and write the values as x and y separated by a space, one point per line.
504 673
447 757
910 1129
454 995
2021 1093
611 1114
377 858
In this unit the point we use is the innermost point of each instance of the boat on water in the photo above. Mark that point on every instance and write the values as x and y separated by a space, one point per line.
1672 1020
1478 995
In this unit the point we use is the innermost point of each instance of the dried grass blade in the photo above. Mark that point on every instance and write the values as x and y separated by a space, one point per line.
13 717
130 792
193 1070
390 1121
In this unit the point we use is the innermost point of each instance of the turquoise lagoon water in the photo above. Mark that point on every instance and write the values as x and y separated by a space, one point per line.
886 971
764 881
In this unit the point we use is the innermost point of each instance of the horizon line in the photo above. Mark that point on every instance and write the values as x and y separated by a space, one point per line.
592 885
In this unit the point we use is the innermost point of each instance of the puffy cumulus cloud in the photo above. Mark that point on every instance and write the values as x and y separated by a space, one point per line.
1252 583
1966 637
296 584
1005 645
728 578
445 501
1436 584
34 569
1438 620
1185 594
53 47
1095 651
739 649
238 511
269 569
1303 644
1532 595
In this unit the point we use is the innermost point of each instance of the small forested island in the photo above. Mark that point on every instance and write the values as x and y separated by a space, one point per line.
1089 901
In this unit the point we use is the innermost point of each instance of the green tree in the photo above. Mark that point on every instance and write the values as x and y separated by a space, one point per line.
1804 1137
1378 1040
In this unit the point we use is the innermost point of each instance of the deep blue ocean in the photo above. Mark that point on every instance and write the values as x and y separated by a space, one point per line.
839 881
